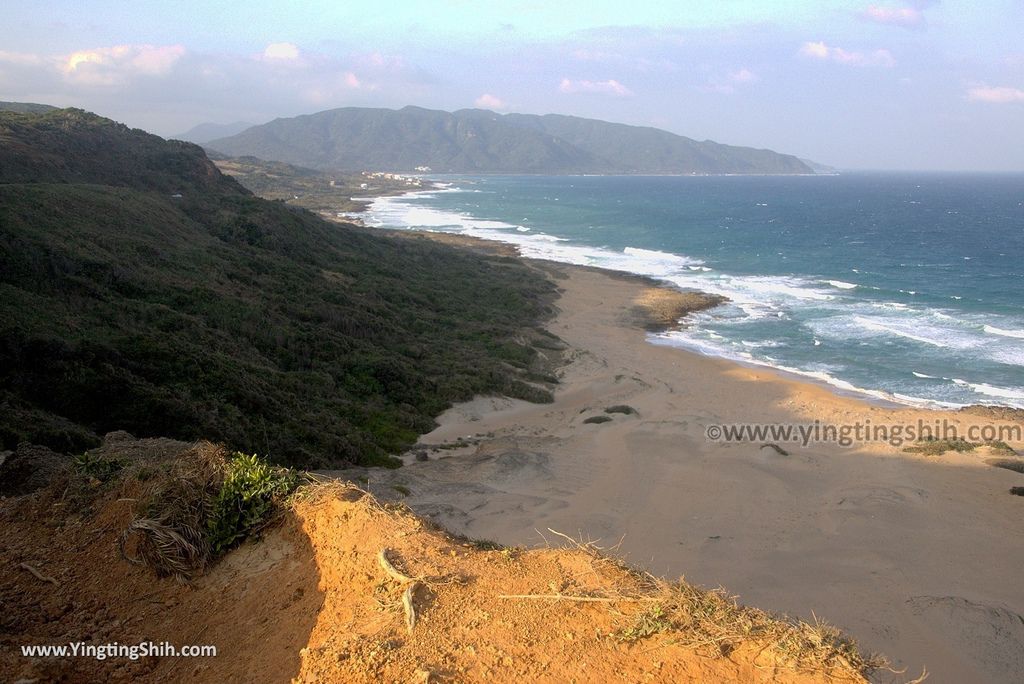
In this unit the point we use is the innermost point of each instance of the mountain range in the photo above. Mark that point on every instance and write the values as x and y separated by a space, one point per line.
482 141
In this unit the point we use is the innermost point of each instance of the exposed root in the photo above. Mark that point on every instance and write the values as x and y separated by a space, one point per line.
410 608
38 575
389 568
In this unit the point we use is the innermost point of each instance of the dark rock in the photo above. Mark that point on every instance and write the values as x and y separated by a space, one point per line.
422 456
117 436
29 468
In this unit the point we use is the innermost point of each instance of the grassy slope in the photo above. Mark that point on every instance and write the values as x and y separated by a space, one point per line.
225 316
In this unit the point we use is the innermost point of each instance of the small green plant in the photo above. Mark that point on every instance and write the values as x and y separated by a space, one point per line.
243 506
485 545
597 420
96 466
647 624
401 489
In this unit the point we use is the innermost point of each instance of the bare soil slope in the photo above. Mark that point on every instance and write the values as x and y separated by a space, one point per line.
313 601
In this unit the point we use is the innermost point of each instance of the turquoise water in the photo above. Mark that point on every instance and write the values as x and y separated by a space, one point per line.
907 287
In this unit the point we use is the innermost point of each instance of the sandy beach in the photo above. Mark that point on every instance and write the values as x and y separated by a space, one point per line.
916 556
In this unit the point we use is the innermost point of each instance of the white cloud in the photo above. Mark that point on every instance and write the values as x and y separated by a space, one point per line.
819 50
995 94
588 55
281 51
23 58
488 101
609 87
730 82
111 66
906 17
743 76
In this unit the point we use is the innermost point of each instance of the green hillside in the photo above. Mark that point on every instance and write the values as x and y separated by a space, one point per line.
480 141
142 290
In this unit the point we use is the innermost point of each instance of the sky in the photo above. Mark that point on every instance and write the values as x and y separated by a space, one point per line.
887 85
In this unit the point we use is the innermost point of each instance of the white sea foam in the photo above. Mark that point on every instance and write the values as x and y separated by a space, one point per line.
992 390
921 375
913 330
992 330
687 341
753 299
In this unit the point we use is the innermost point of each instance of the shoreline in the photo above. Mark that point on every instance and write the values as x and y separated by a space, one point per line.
866 396
895 548
865 389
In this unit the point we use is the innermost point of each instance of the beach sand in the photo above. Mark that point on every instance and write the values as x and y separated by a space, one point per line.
915 556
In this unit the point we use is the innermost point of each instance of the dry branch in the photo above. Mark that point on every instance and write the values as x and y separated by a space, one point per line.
581 599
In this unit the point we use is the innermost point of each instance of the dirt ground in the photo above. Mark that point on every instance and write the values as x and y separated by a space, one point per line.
312 601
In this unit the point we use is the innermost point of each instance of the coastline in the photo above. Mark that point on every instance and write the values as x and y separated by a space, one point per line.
932 344
893 547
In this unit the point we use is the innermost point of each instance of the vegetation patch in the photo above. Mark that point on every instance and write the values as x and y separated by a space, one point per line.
97 467
142 290
621 408
1017 491
937 447
597 419
204 504
250 491
646 624
1016 465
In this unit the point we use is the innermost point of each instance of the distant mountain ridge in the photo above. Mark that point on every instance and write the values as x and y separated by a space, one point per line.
206 132
482 141
25 107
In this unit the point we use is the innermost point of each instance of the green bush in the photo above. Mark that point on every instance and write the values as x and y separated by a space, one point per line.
246 499
96 466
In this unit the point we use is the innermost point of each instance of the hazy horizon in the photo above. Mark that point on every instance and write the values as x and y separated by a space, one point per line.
913 85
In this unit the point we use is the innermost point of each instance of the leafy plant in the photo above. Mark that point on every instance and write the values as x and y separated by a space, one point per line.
246 499
96 466
646 624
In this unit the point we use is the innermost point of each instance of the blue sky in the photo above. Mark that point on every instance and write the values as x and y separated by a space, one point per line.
886 84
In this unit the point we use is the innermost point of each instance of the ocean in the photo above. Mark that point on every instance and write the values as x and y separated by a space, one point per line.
904 287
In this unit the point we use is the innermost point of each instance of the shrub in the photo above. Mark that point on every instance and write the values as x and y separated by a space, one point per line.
242 507
621 408
200 507
96 466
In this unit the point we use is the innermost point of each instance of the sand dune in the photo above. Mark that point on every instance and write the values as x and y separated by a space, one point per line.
916 556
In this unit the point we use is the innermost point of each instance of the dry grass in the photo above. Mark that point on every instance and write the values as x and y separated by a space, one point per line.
937 447
168 536
713 623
